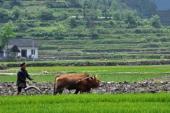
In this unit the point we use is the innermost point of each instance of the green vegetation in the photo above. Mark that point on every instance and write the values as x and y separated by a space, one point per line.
123 103
144 7
7 33
105 73
89 29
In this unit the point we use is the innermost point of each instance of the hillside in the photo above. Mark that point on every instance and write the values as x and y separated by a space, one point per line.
87 30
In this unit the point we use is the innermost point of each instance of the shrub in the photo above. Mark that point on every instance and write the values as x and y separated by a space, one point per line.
73 23
15 3
131 20
16 13
47 15
4 15
155 21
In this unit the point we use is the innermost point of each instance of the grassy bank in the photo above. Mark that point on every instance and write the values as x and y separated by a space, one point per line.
124 103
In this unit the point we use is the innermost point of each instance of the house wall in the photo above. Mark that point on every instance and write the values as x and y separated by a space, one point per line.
5 55
29 51
1 55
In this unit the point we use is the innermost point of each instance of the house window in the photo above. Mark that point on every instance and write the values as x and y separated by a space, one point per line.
1 54
24 53
33 51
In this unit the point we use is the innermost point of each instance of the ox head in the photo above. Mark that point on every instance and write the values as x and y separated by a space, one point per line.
93 82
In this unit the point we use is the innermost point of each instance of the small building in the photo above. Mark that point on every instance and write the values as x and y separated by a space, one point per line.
21 48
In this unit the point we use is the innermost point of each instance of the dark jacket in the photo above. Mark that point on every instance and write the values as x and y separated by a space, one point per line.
22 75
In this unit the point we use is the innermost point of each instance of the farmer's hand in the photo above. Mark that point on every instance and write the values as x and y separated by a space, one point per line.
27 81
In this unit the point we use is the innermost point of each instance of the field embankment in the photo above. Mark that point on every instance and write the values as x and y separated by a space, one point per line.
152 86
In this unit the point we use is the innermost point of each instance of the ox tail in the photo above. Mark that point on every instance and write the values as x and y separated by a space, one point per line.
54 92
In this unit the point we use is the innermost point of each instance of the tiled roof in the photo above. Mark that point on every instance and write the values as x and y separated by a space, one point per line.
23 42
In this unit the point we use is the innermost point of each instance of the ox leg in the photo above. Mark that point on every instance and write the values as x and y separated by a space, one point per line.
55 89
76 92
55 92
69 92
58 90
88 90
85 91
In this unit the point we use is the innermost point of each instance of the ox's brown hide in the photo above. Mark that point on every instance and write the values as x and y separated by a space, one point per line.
68 81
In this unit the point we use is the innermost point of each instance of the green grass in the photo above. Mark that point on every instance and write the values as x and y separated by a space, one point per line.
122 103
105 73
100 69
37 78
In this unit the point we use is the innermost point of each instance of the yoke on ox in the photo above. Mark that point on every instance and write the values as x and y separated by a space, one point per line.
80 82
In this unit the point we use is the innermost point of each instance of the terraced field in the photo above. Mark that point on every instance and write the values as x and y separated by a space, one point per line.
63 33
121 46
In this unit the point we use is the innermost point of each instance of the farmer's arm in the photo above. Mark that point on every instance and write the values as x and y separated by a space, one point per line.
28 76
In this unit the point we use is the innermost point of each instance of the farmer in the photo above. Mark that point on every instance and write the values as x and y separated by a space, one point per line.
22 75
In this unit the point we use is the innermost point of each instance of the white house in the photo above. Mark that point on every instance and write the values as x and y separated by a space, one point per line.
24 48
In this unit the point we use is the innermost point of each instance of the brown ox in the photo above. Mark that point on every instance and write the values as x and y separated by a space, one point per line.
80 82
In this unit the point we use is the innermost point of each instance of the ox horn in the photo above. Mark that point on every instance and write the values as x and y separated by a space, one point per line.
94 77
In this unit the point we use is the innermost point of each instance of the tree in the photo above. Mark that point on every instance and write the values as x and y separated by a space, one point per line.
155 21
4 15
1 2
73 23
15 3
94 34
60 31
131 20
16 13
146 8
107 5
7 33
85 7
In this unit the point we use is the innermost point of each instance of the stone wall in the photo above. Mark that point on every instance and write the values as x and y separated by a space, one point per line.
8 88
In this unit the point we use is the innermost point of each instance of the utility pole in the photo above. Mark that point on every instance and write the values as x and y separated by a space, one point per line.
33 50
